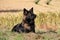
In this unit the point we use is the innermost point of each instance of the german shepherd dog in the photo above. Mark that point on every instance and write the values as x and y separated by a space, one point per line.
28 24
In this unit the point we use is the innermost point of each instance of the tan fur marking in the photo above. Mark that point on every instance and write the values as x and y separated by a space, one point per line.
24 17
26 26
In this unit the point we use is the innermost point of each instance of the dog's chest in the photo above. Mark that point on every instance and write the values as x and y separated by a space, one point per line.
26 26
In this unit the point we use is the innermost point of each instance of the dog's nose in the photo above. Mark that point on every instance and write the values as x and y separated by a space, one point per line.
34 16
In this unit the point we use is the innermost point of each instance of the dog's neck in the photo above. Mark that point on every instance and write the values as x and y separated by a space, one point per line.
24 22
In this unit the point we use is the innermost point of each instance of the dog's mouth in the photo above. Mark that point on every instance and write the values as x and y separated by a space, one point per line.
29 21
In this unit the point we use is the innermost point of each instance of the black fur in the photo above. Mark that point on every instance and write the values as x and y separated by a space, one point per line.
28 24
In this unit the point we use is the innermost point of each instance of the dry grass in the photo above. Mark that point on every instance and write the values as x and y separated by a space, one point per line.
46 25
47 21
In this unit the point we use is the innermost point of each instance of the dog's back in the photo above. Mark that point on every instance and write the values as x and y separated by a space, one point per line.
18 28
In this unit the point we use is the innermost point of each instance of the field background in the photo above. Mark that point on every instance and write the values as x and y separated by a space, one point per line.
47 21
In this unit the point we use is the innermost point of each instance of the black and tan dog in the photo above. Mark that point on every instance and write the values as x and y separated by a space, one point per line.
28 24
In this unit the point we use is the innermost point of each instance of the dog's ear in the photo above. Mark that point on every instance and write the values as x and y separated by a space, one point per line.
25 11
31 10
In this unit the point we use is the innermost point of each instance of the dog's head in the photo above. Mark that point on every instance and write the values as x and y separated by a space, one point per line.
29 15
